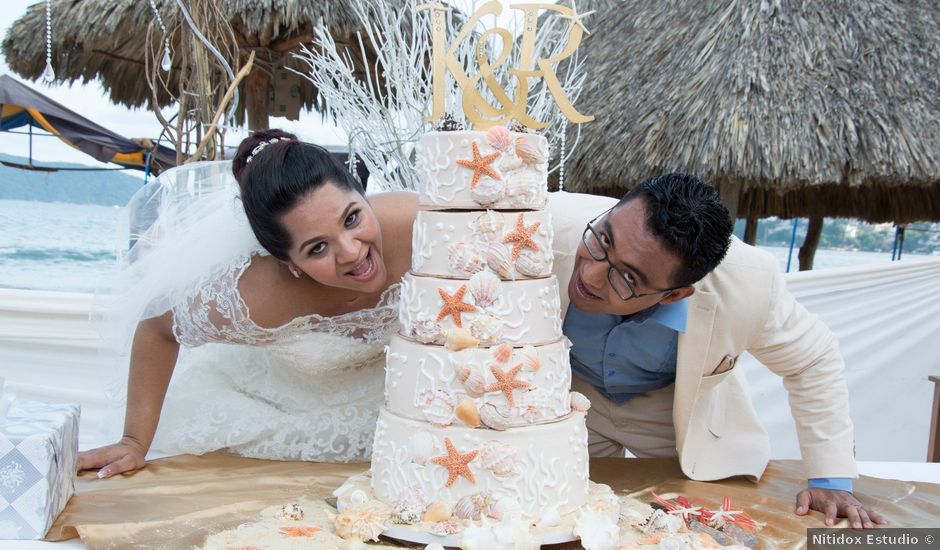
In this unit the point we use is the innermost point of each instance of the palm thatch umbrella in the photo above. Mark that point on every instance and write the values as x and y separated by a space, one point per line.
791 108
107 40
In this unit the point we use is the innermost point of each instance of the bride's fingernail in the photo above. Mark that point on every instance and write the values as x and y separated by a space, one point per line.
102 474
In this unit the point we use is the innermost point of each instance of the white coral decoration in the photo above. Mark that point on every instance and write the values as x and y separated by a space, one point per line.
361 523
484 287
515 534
487 328
479 537
488 225
465 258
488 191
597 532
437 407
499 458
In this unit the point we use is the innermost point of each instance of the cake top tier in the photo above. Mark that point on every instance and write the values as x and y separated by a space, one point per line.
496 169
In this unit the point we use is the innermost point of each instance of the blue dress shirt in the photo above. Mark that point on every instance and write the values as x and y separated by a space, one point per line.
628 356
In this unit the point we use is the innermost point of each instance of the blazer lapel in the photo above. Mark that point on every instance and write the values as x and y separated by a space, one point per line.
691 359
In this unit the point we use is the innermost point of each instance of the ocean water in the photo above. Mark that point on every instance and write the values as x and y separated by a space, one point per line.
71 247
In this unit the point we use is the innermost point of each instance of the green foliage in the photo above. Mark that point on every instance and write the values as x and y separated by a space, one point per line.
104 187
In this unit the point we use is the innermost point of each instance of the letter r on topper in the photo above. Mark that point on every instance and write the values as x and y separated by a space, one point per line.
479 112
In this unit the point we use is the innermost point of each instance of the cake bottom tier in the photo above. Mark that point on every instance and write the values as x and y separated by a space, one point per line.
537 468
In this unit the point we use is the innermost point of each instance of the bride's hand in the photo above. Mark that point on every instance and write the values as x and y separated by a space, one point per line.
124 456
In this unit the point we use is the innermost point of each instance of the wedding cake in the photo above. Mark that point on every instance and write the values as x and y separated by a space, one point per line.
479 423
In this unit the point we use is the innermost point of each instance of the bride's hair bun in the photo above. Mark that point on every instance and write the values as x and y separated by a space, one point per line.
254 145
275 170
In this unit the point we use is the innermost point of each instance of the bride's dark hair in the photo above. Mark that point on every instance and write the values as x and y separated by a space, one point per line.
274 171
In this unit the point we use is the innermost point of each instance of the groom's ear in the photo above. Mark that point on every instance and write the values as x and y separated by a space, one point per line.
678 294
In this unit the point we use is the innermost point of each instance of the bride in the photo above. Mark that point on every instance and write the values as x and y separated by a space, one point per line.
276 325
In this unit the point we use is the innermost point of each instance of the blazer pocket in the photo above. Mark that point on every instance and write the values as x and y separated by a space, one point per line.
722 371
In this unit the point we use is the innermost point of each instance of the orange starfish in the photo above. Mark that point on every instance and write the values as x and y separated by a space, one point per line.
457 463
480 165
521 236
304 531
506 382
454 305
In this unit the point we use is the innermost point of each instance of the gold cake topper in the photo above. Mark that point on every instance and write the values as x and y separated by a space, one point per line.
481 114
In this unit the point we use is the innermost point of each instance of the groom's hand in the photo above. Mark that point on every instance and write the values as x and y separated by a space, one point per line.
837 504
124 456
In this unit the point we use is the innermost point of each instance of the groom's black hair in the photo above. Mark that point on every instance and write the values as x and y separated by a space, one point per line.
274 171
688 217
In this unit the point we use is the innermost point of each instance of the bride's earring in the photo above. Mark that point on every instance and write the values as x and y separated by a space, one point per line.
293 271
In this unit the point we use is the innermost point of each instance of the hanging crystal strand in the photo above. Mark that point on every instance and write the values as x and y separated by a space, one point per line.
561 154
352 161
166 63
48 74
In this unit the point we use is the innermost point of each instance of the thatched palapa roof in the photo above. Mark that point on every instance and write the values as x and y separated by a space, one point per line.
826 108
106 40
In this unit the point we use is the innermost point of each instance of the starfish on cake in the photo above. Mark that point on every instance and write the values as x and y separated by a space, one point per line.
506 381
521 237
457 463
480 165
454 305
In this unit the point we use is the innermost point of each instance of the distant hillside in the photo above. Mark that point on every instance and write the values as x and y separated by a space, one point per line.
104 187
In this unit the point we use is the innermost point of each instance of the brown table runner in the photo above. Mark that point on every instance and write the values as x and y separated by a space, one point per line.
176 502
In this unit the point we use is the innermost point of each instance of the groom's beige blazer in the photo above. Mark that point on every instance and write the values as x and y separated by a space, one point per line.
742 306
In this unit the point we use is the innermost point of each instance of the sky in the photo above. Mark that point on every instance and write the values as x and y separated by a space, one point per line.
92 102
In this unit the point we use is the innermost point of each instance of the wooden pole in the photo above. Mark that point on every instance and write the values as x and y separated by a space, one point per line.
808 250
750 230
257 88
730 192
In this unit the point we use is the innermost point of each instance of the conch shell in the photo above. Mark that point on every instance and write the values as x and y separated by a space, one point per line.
499 458
437 511
492 418
467 412
465 258
460 338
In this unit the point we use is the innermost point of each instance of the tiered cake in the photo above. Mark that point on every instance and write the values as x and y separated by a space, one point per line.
479 421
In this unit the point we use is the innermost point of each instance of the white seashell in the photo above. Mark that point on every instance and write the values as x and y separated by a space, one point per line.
434 546
479 537
487 328
529 357
358 497
536 405
422 446
427 331
410 506
550 517
465 258
499 458
506 508
463 372
488 191
580 402
488 225
523 189
531 264
363 523
443 529
292 511
484 287
508 163
492 418
437 407
475 383
661 522
472 506
528 153
499 259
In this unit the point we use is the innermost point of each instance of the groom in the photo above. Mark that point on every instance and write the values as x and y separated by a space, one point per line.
663 302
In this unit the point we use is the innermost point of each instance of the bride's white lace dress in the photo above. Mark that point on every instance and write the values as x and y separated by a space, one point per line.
307 390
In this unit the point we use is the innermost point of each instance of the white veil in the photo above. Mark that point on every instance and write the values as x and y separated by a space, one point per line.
177 232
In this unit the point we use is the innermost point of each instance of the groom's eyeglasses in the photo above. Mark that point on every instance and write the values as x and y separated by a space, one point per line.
618 280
